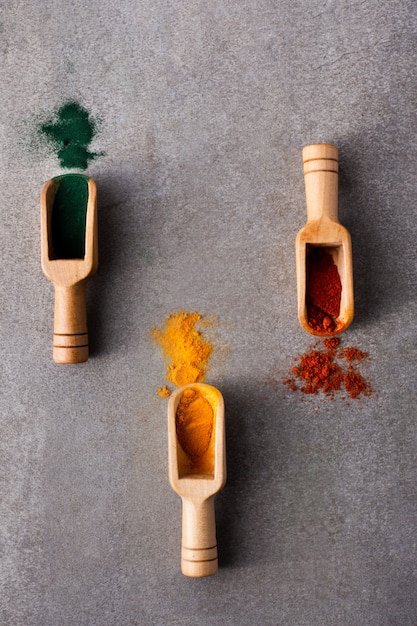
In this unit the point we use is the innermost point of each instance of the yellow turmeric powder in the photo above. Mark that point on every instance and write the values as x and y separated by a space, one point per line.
184 347
194 421
163 392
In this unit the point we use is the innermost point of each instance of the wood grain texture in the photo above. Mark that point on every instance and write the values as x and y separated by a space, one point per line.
69 277
199 544
323 229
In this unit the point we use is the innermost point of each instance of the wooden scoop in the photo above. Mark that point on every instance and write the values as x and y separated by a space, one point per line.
323 230
197 482
68 274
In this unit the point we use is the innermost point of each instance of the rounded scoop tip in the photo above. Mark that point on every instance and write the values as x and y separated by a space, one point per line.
320 151
78 354
199 569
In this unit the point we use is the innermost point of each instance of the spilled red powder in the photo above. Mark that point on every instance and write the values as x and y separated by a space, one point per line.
324 290
328 368
352 354
355 384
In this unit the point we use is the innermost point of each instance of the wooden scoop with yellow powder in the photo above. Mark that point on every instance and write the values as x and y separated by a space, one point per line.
197 471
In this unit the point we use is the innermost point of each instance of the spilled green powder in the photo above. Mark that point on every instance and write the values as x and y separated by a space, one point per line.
70 132
69 212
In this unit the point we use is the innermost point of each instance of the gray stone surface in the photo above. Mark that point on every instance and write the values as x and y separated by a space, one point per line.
204 108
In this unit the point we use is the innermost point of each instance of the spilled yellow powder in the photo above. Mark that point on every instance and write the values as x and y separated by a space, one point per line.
184 347
163 392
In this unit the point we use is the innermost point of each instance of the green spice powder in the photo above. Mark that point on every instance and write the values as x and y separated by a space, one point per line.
71 132
69 212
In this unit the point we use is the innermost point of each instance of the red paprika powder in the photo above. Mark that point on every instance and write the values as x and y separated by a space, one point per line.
323 290
328 368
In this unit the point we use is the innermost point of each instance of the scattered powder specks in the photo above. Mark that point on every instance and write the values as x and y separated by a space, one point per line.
163 392
329 369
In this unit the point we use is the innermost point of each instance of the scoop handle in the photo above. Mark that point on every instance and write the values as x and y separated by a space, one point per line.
321 166
199 543
70 324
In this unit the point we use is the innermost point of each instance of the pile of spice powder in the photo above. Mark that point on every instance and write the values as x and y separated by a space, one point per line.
185 349
194 424
324 290
329 368
70 132
69 211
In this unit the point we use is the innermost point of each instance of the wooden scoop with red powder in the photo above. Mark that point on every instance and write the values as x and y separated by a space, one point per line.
323 249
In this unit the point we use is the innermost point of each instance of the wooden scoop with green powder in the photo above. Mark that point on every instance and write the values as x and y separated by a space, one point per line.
69 255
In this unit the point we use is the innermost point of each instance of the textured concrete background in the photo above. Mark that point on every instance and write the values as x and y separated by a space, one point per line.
204 108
